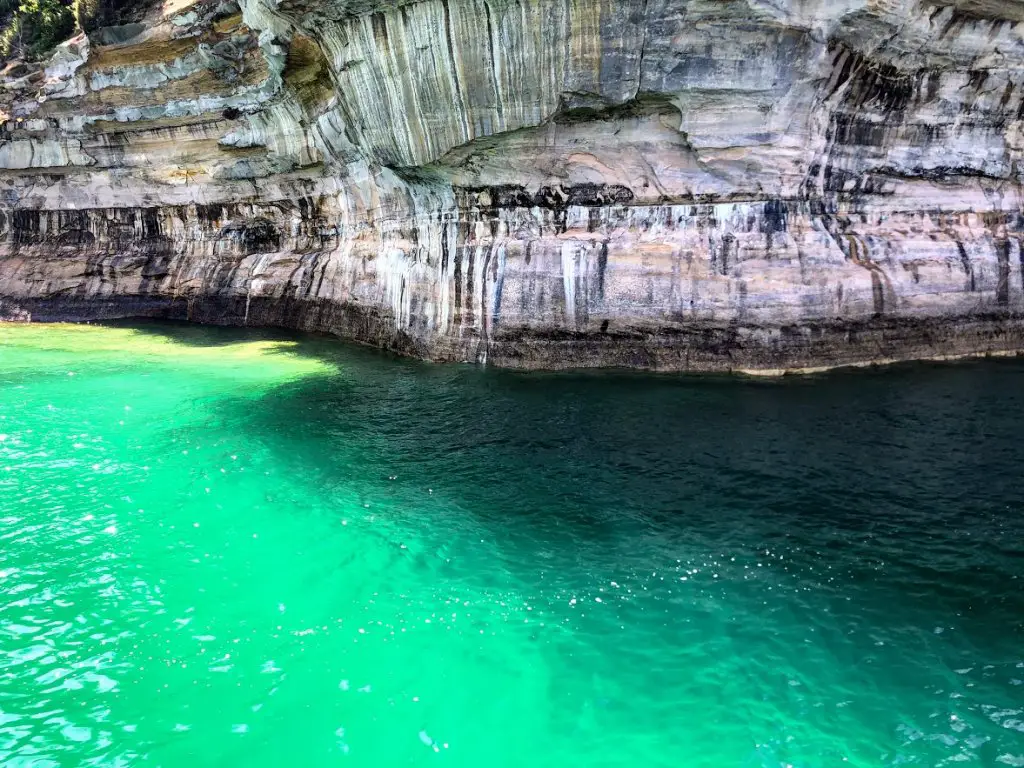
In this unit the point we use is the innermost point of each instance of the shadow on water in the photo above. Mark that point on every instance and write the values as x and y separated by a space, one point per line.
875 462
906 475
861 441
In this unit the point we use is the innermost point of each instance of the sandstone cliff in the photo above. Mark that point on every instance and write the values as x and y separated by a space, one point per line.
675 184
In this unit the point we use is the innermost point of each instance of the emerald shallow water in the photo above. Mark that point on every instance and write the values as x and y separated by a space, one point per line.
228 548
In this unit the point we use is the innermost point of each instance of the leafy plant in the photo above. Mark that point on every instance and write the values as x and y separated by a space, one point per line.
35 27
31 28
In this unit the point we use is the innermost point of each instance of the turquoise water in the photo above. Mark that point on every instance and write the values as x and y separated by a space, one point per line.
227 548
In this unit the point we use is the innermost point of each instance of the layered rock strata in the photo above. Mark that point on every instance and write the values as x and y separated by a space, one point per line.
669 184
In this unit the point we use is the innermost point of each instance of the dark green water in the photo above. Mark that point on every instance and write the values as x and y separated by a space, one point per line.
222 551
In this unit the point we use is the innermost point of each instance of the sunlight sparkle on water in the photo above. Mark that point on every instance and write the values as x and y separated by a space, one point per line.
234 547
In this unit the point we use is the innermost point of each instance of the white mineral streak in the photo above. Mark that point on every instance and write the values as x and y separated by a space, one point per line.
569 282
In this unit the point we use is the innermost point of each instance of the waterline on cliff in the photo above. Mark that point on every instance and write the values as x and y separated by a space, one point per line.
771 373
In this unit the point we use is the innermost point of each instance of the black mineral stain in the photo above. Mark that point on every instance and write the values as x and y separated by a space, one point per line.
444 247
773 219
1003 282
380 29
1020 259
965 262
877 293
258 235
150 224
602 265
470 264
457 275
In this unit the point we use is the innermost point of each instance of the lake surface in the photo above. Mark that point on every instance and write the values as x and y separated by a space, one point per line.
233 548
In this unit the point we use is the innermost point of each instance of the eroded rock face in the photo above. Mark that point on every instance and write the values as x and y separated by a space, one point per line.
673 184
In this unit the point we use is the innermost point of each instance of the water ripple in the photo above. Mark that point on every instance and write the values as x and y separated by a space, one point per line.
260 554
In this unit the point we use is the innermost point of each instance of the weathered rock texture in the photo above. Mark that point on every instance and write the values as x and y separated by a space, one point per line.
676 184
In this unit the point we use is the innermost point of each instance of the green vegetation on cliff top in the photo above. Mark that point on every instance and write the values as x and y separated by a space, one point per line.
33 28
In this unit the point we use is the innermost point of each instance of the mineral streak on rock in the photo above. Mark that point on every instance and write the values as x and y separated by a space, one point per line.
668 184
